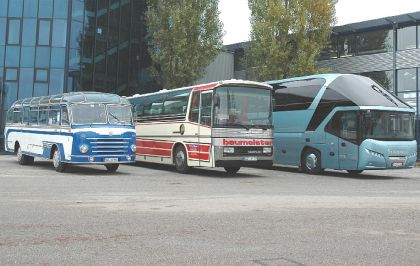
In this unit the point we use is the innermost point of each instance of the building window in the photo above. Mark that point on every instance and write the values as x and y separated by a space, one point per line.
3 25
44 30
29 32
347 45
15 8
11 74
45 8
41 75
60 8
406 79
331 50
59 33
30 8
406 38
13 32
375 42
407 86
42 58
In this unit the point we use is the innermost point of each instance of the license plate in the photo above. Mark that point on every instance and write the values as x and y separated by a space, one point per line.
397 164
250 158
111 160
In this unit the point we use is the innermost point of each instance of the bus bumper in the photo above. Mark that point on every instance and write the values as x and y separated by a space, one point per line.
241 163
109 159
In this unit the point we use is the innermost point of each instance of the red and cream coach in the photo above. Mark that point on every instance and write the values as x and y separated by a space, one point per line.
221 124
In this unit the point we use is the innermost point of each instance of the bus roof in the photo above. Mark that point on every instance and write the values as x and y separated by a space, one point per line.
73 97
207 86
328 77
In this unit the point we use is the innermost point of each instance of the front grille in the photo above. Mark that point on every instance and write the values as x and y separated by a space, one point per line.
109 146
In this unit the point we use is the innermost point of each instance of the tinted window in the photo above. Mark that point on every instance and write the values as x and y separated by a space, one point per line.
45 8
406 79
3 8
3 25
406 38
206 104
60 8
42 59
195 106
12 56
30 8
41 75
347 46
176 104
296 95
44 29
344 125
28 57
15 8
59 33
29 32
375 42
11 74
13 31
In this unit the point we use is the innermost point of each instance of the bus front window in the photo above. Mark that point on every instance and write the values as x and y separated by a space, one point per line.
88 114
119 114
242 106
387 125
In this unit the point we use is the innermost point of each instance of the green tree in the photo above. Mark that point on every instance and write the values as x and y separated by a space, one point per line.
287 36
184 37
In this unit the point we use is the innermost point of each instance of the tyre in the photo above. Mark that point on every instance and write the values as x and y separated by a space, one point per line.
59 165
24 159
112 167
180 160
232 170
354 172
311 162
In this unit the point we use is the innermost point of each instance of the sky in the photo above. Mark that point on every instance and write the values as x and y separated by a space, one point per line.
235 14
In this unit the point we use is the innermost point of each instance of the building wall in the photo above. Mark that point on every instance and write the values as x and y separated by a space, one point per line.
220 69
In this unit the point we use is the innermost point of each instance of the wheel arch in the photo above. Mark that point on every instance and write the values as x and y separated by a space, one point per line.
175 146
17 145
306 148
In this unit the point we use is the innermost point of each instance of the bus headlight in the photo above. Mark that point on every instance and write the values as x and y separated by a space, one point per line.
83 148
267 150
228 150
133 147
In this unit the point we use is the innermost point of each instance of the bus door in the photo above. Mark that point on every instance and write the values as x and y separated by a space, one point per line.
341 138
204 129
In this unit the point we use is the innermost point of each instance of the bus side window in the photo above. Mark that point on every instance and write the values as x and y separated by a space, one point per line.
156 108
54 116
64 116
17 116
25 116
9 117
206 103
333 127
33 116
195 106
43 116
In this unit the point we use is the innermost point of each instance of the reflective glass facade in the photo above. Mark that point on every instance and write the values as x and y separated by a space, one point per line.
55 46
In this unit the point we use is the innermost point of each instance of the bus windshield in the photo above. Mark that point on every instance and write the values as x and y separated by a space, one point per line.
100 114
242 106
387 125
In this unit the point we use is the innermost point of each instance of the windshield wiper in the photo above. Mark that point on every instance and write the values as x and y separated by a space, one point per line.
115 117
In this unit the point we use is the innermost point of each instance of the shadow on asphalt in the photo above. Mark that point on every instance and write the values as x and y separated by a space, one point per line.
206 172
341 174
76 169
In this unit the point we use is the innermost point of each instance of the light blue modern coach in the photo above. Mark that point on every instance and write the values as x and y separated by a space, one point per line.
341 121
73 128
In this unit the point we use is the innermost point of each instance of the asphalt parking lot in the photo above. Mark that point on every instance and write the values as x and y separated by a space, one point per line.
151 215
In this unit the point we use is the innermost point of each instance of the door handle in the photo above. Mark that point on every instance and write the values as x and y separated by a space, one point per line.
343 144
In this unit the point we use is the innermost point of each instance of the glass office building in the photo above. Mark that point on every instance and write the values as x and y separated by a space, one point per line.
55 46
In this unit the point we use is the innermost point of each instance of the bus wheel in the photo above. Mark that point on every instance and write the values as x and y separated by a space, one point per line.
311 162
58 164
181 163
24 159
112 168
232 170
354 172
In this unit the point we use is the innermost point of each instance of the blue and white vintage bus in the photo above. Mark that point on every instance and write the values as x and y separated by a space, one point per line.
72 128
341 121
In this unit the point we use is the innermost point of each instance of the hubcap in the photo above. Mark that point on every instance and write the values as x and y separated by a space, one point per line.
56 159
311 161
180 158
19 154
